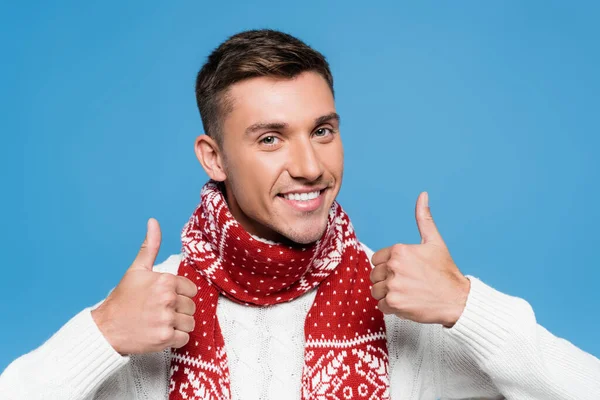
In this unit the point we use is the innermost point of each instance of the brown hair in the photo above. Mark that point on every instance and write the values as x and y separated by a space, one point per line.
249 54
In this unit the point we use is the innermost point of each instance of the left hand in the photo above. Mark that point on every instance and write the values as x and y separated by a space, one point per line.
420 282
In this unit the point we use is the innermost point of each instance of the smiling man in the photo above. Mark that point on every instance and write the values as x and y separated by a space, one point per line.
281 159
275 297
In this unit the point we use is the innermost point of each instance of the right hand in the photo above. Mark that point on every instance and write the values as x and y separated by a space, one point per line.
148 311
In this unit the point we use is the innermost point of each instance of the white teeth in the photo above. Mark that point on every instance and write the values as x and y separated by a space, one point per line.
302 196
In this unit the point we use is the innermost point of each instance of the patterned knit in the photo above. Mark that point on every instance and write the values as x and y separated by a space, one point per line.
495 350
345 351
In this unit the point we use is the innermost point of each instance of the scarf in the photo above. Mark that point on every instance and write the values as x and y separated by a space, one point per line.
345 353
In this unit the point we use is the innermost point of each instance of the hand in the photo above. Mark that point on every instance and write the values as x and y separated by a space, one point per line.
420 282
147 311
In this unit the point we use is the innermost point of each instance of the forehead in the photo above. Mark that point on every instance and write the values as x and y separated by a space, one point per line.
298 100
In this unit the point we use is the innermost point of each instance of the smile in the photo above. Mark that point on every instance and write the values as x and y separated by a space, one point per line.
302 196
308 201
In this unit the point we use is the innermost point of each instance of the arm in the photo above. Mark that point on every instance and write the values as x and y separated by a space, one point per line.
498 335
493 344
70 365
77 363
148 312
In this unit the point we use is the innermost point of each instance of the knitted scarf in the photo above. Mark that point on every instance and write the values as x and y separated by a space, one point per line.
345 352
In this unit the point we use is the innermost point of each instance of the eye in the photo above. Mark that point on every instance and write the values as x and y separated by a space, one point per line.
321 132
324 134
269 140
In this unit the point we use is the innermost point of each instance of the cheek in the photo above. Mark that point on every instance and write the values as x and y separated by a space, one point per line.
333 158
255 174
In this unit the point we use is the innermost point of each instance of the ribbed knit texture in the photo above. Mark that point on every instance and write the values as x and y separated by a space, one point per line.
495 350
71 364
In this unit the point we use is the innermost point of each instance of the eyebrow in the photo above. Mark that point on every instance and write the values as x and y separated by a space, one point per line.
269 126
259 126
327 118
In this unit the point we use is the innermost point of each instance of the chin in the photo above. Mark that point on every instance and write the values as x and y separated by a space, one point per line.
305 233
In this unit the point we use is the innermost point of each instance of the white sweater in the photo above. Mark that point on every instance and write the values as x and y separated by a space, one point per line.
495 350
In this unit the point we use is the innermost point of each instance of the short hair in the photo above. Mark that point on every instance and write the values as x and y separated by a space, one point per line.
250 54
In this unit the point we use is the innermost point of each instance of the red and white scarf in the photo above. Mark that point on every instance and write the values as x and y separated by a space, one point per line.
345 353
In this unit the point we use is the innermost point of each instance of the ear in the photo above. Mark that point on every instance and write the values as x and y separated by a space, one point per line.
210 157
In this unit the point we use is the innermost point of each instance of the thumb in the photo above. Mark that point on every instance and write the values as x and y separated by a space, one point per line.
427 229
149 249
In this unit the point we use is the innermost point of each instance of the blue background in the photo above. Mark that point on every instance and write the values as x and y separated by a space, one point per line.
491 108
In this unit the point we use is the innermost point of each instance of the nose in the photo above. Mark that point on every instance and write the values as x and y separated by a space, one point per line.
304 161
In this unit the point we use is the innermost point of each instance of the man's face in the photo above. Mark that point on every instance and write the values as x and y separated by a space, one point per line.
282 156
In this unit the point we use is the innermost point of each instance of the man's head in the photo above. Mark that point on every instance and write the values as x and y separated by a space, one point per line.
267 106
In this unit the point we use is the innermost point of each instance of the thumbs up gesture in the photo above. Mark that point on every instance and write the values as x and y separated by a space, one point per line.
148 311
420 282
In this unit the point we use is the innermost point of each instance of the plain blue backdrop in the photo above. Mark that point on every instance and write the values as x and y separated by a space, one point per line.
492 107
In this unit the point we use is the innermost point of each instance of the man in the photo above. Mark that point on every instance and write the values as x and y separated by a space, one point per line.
275 297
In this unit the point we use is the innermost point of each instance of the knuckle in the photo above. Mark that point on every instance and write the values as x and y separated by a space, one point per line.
394 264
398 249
165 335
168 319
168 280
394 300
169 299
394 286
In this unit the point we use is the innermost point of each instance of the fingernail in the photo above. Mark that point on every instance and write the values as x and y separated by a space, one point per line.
426 199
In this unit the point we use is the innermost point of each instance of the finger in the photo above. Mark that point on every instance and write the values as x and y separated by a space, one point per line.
381 256
186 287
427 228
149 249
185 305
184 323
384 307
379 273
180 339
379 290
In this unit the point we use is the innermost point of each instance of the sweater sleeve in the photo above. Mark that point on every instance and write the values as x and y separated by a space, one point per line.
498 348
73 363
70 365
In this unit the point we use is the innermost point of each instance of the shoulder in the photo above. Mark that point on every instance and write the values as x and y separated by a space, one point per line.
170 265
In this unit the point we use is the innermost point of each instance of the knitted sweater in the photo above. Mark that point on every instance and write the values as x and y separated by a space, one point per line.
495 350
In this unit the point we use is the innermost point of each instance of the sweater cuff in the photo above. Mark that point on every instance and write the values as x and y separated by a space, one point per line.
81 355
489 319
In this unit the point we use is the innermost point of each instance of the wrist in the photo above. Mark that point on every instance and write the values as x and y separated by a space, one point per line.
458 306
102 320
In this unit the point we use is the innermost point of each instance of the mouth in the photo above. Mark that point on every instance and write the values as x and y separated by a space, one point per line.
304 201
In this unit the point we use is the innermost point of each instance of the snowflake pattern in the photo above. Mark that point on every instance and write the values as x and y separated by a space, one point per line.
345 352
